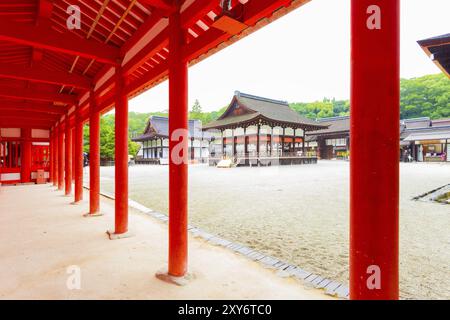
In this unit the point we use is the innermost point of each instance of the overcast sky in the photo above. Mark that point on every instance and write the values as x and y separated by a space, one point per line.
303 56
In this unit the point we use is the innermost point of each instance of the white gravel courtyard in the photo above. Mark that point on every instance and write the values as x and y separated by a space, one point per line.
301 214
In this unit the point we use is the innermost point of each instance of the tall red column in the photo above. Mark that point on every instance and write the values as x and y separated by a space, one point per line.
94 156
374 163
51 150
25 170
56 155
178 168
60 158
121 156
78 157
74 160
68 157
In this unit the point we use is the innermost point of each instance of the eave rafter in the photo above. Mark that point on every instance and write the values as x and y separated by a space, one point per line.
32 115
42 36
164 5
34 95
25 106
12 122
37 73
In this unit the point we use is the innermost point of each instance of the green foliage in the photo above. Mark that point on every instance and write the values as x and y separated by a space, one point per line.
206 117
427 96
322 109
107 135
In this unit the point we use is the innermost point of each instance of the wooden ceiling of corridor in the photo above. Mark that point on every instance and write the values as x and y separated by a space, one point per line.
47 70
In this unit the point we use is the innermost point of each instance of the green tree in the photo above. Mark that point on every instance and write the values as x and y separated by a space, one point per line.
427 96
107 137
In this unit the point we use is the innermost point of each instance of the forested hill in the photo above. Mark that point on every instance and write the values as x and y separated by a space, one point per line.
427 96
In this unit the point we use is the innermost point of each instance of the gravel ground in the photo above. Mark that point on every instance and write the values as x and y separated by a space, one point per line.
300 214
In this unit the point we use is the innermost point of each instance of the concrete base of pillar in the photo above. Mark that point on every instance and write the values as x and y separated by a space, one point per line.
114 236
89 215
75 203
164 275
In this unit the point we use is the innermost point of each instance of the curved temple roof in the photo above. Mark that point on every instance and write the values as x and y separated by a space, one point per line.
438 49
246 110
47 70
158 127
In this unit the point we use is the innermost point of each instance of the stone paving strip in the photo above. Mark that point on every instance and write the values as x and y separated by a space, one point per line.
330 287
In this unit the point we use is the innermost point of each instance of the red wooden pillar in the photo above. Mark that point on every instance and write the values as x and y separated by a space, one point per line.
55 155
94 155
78 157
68 157
121 157
74 160
60 158
178 168
374 163
25 170
51 150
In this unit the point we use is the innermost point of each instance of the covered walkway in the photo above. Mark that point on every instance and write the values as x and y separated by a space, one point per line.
44 241
63 66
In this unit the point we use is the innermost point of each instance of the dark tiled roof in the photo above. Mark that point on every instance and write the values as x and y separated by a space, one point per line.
336 124
438 49
433 133
158 127
268 110
407 126
435 40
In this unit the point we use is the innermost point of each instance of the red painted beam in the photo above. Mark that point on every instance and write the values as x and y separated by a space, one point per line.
29 107
253 12
257 10
14 122
28 115
148 79
154 18
9 124
155 45
197 10
164 5
374 149
194 12
37 73
29 94
44 10
41 36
